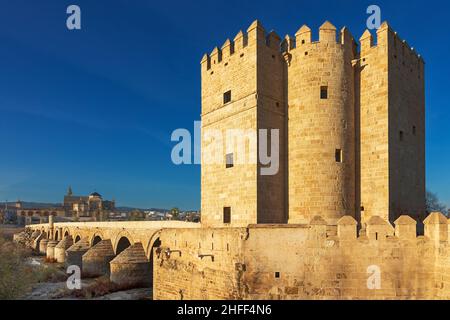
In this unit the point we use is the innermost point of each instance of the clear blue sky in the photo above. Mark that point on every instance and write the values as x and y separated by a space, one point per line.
95 108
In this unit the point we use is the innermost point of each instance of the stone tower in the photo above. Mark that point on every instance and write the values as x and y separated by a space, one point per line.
391 127
321 127
351 127
243 90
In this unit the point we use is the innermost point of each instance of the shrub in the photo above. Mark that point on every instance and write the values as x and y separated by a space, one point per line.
101 286
16 277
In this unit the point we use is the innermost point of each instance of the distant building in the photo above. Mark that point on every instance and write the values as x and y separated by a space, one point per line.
89 206
9 212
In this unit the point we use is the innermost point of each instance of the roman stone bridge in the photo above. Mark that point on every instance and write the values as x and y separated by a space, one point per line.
121 250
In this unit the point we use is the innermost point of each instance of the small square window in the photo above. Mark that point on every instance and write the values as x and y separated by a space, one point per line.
323 92
277 275
338 155
401 135
303 41
229 161
227 97
226 214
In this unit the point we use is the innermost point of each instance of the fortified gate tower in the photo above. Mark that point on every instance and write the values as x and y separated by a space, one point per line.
351 127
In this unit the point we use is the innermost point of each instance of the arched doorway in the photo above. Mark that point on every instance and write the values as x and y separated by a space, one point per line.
96 240
78 238
122 245
57 235
66 234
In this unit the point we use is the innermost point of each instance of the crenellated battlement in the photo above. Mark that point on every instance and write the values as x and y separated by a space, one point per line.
255 37
386 37
257 34
231 240
327 34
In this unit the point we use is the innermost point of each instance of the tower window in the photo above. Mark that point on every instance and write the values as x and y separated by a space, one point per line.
414 130
338 155
227 97
277 275
324 92
226 214
229 161
401 135
303 41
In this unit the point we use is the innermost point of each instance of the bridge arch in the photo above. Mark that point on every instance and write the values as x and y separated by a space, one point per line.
96 238
66 232
77 238
154 242
123 241
122 244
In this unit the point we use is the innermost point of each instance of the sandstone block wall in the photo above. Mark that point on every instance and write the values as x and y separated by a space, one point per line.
304 262
203 264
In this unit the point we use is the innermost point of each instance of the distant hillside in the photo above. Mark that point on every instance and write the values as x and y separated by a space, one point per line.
34 205
39 205
129 209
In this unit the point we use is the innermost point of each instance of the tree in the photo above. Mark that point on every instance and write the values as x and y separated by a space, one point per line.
433 204
136 215
175 212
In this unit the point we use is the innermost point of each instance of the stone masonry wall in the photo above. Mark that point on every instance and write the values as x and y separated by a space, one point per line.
306 262
201 264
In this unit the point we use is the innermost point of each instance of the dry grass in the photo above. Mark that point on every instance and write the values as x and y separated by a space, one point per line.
50 260
16 277
7 231
50 273
101 286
